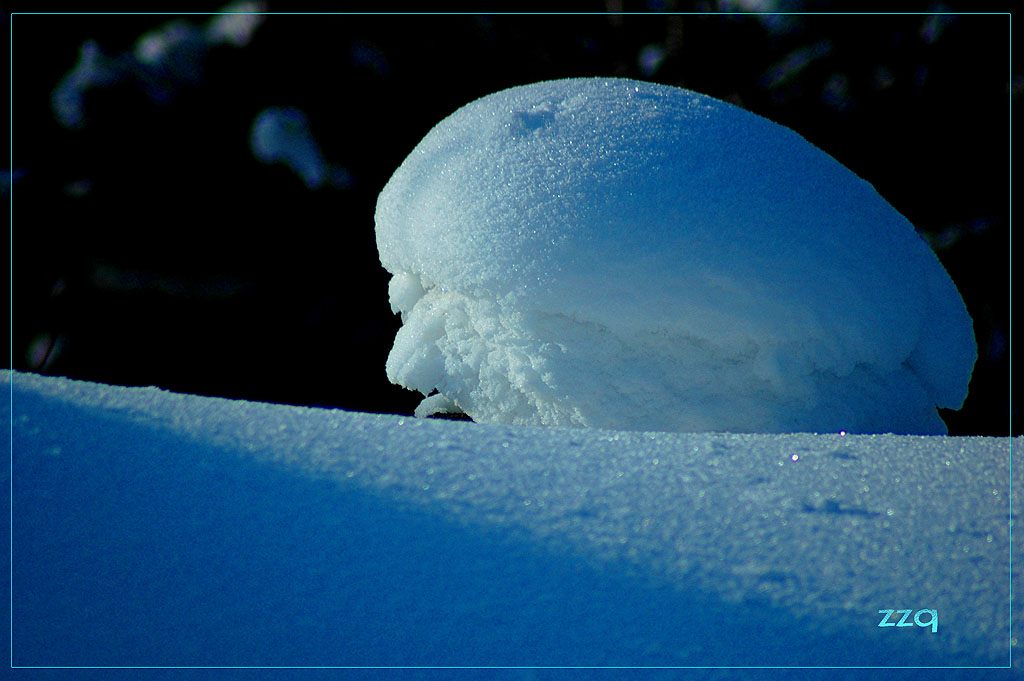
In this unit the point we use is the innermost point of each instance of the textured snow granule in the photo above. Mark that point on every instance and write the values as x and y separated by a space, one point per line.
619 254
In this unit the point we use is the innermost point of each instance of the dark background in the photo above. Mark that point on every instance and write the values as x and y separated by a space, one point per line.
150 247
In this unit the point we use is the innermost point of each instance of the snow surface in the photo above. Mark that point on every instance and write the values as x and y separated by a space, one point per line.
620 254
153 528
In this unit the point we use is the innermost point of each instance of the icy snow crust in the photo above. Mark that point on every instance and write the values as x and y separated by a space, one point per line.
163 529
619 254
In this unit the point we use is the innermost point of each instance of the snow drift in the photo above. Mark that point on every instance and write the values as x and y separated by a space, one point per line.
620 254
153 528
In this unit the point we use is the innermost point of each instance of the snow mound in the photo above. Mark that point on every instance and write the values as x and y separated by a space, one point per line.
620 254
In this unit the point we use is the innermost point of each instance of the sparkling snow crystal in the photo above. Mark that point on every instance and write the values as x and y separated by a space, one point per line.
619 254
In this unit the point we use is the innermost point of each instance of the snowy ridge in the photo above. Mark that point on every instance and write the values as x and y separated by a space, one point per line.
532 546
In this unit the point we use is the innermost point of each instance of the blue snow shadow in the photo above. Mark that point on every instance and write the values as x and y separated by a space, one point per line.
136 546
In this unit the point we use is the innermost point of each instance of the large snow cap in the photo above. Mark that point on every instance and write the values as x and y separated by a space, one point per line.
620 254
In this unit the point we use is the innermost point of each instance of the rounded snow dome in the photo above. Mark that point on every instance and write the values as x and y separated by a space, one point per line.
619 254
